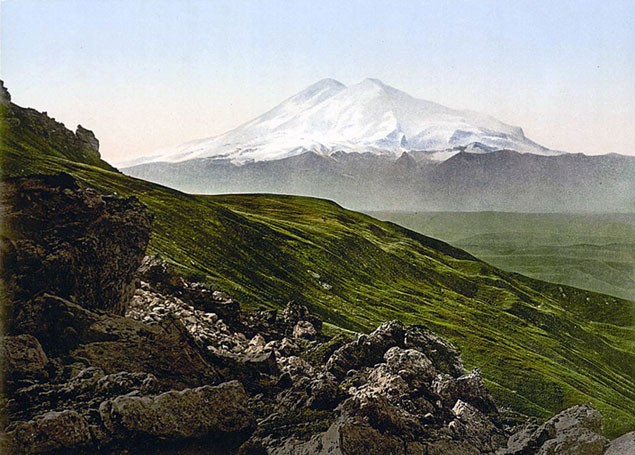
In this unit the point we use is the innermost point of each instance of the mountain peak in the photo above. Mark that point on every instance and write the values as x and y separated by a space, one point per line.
367 117
328 86
373 81
328 82
376 86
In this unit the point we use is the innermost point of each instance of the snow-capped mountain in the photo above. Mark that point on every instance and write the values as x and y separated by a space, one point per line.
370 116
372 147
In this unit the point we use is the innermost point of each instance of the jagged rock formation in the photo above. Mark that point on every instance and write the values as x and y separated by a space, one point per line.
5 96
385 395
88 139
108 351
80 245
576 430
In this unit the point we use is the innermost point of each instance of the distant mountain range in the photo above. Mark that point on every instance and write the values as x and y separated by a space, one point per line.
501 181
372 147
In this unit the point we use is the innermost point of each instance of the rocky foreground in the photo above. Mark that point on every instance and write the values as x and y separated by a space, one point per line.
110 351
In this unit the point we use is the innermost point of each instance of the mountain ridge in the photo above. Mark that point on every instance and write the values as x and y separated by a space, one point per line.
501 180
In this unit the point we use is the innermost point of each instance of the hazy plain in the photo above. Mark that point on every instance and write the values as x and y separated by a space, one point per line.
589 251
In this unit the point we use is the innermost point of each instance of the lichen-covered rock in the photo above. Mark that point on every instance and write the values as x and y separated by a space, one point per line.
263 362
444 356
383 393
115 343
190 413
471 425
124 382
164 281
160 274
575 443
528 439
304 329
54 431
411 365
578 417
83 393
23 358
576 430
323 392
358 438
624 445
294 313
87 139
167 351
468 388
343 437
150 306
366 350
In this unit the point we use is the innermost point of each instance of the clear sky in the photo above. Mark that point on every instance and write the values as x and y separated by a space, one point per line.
146 74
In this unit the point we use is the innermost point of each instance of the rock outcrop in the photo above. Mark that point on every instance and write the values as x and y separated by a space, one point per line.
50 432
577 430
190 413
380 391
73 242
625 444
23 359
87 139
5 96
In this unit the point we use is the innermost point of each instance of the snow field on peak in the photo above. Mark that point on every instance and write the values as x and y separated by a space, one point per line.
370 116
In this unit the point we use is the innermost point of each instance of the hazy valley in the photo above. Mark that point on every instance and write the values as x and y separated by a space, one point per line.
589 251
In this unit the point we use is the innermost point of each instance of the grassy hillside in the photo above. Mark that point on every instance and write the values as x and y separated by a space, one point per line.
541 347
589 251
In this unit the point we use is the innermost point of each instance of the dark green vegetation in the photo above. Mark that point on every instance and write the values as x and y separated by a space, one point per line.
541 347
588 251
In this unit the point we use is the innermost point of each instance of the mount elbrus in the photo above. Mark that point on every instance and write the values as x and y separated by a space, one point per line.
346 143
110 348
371 116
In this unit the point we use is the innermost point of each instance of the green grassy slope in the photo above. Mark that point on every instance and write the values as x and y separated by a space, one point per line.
541 347
589 251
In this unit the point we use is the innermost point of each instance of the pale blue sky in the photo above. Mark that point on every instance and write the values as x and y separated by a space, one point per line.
147 74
